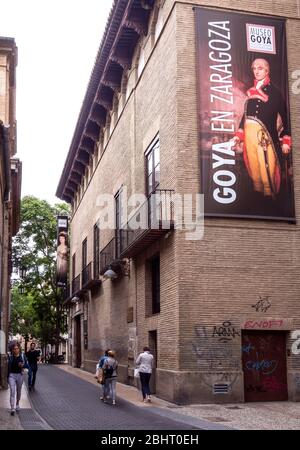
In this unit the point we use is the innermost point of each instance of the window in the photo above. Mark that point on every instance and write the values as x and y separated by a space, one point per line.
155 275
118 221
152 286
96 250
84 254
153 167
73 266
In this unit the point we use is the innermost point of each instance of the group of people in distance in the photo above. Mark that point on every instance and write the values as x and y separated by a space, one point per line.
17 363
107 372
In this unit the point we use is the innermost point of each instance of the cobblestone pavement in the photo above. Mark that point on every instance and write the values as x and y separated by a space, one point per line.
68 398
238 416
68 402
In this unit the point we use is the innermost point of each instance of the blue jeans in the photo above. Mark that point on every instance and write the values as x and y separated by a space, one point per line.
145 379
110 387
32 370
15 381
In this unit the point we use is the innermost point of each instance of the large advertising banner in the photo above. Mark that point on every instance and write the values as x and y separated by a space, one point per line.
62 251
244 121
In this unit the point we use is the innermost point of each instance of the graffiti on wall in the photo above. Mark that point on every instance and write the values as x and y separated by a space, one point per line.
263 304
216 348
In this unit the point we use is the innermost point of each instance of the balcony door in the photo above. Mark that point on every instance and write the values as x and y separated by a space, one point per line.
84 254
96 251
118 221
153 167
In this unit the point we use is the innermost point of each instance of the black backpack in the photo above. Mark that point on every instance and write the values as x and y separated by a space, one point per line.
109 371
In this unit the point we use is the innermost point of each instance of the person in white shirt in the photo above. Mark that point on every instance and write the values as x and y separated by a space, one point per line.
145 363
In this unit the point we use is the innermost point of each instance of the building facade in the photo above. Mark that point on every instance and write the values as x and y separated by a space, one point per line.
220 311
10 186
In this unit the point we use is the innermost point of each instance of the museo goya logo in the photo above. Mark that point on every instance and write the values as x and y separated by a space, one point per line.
261 38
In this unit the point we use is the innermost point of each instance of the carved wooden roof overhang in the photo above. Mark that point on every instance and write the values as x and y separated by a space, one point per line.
128 21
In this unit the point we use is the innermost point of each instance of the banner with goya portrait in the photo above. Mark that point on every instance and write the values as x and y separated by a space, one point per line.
62 251
245 140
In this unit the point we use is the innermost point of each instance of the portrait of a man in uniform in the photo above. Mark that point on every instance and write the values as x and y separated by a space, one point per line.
265 134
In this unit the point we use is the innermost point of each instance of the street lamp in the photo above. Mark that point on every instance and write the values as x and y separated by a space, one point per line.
110 274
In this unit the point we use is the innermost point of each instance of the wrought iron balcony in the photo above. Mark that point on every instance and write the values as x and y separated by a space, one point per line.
109 257
76 285
152 220
67 293
89 279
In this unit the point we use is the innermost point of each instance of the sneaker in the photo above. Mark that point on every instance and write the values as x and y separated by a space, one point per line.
12 412
18 408
149 398
114 402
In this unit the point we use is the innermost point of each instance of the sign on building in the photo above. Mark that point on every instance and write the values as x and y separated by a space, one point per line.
62 251
245 139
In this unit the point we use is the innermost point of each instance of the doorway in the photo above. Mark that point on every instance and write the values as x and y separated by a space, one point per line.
78 340
153 349
264 366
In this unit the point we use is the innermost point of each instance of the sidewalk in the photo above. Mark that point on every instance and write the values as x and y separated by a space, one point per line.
7 422
240 416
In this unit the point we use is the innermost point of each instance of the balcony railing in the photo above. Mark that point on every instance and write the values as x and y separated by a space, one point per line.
107 255
152 220
89 279
67 293
76 285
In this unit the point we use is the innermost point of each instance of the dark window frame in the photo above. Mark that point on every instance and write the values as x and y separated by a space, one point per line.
96 249
155 283
73 266
84 254
118 217
152 166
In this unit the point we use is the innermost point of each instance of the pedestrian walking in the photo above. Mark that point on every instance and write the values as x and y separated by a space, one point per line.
33 356
17 362
145 365
101 376
110 369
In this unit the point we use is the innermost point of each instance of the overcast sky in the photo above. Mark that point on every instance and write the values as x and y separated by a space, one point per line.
57 45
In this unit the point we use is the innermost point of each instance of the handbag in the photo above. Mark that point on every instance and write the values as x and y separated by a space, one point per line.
101 377
136 373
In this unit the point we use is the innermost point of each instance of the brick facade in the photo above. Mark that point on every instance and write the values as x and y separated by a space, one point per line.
208 287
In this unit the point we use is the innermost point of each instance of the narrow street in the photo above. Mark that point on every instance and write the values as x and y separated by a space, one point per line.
66 402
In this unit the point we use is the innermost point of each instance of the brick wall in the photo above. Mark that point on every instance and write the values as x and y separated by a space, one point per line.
206 286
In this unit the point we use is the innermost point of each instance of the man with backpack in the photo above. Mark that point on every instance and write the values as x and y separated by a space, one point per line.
110 367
